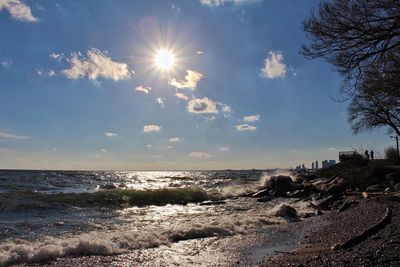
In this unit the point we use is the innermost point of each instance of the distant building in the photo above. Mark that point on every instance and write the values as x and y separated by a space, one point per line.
316 164
312 166
328 163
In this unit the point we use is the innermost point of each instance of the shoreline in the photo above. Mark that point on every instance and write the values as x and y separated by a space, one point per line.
304 243
378 249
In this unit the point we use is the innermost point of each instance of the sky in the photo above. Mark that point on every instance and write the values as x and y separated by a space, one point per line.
167 85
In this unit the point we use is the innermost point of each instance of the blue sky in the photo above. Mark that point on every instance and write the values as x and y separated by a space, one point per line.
80 87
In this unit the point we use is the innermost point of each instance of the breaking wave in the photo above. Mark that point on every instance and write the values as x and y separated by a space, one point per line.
117 198
97 243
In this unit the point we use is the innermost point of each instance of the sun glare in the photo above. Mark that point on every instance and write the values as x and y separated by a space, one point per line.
164 59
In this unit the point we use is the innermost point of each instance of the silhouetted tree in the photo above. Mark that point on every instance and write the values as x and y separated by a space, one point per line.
376 102
353 35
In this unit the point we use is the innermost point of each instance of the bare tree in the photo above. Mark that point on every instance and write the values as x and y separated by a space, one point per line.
352 35
376 102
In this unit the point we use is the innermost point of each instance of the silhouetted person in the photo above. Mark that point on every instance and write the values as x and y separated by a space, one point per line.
372 154
366 154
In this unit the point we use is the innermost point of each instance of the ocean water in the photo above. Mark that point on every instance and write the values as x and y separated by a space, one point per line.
45 215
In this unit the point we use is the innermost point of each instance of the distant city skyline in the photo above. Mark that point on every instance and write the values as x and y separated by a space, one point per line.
166 85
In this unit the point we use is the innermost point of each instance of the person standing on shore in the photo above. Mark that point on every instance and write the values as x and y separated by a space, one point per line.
372 154
366 154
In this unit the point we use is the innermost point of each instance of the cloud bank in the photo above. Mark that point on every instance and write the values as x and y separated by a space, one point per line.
11 136
95 65
18 10
200 155
202 106
190 82
274 66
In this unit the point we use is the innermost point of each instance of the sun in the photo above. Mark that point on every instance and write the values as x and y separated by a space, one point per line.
164 59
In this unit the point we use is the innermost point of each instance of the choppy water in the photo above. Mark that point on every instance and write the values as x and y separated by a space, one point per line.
50 214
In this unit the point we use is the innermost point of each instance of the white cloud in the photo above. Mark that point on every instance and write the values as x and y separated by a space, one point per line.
18 10
202 105
111 134
201 155
226 108
104 150
181 96
6 64
143 89
42 73
175 140
10 136
190 81
331 149
251 118
151 128
95 65
51 73
160 101
149 146
210 118
223 148
245 127
216 3
57 56
274 66
199 52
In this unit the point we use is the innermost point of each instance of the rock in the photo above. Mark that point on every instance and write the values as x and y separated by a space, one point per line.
261 193
281 184
396 187
286 211
335 247
264 199
393 178
374 188
323 203
298 193
211 202
108 186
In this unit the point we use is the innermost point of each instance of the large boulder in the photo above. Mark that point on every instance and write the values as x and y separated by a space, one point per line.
286 211
281 184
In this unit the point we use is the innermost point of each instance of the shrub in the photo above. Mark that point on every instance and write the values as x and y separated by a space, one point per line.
391 154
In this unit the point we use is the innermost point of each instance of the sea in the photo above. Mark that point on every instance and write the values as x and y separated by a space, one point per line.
54 216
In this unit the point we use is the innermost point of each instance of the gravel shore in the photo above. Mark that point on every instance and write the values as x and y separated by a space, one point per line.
379 249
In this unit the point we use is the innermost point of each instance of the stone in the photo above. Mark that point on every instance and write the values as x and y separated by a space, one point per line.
393 178
264 199
286 211
374 188
396 187
261 193
280 184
